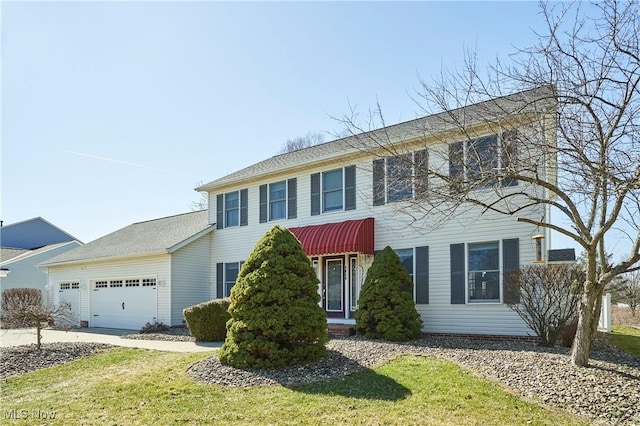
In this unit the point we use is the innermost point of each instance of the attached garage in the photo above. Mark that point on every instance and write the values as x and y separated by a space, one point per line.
69 292
147 272
124 303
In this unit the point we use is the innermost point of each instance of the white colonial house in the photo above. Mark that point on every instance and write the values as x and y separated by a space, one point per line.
340 199
144 273
344 200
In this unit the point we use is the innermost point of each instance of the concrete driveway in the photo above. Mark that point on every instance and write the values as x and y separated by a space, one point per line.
27 336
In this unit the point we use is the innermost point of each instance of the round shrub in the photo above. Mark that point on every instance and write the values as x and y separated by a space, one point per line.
207 321
275 317
386 308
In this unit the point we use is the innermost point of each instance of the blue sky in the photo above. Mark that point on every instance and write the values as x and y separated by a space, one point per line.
112 112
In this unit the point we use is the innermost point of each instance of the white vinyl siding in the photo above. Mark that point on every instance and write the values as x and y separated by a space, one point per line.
394 229
190 277
158 267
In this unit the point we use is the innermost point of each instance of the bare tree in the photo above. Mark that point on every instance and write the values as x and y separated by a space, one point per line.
627 290
300 142
544 298
23 307
568 140
203 202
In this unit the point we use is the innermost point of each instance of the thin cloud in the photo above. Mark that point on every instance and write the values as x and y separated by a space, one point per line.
112 160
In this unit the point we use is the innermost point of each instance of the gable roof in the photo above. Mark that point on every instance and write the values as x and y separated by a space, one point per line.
32 234
354 146
26 254
164 235
8 253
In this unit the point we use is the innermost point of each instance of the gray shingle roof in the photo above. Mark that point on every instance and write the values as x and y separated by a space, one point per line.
526 101
153 236
562 255
7 253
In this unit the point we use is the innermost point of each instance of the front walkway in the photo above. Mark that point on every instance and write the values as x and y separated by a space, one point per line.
27 336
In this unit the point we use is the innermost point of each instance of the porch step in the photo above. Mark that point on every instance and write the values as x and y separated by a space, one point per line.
341 330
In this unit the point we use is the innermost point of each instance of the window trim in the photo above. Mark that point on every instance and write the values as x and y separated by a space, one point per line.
467 166
468 272
382 172
226 289
235 211
324 191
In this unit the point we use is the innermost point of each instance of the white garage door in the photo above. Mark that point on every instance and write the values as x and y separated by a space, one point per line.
69 292
123 303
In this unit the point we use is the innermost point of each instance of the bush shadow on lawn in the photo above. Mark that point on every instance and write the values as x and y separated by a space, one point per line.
366 384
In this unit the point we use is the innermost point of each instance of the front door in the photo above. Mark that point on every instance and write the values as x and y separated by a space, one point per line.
334 288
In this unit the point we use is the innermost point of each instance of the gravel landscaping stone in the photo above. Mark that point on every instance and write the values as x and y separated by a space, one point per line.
606 392
18 360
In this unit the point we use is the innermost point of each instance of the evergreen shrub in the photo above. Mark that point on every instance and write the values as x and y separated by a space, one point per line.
275 317
207 321
386 308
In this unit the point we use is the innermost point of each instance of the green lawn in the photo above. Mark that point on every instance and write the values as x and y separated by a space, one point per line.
626 338
143 387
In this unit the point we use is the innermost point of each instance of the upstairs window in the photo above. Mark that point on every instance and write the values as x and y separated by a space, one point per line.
232 209
333 190
332 187
278 200
482 163
400 178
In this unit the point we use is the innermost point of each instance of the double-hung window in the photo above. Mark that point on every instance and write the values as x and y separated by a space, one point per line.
483 162
478 271
226 276
333 190
278 200
400 178
232 209
484 272
231 271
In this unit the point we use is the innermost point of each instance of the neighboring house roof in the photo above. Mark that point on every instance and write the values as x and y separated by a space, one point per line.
562 255
164 235
7 253
398 133
32 234
25 254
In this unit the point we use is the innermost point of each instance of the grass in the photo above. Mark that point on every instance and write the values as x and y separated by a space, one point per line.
143 387
626 338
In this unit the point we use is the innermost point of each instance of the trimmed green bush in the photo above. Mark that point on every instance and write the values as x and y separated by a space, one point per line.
386 308
207 321
275 317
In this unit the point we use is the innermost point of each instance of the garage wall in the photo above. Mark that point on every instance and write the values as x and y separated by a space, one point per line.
158 266
190 277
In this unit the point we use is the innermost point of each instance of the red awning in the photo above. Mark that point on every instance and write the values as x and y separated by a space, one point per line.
350 236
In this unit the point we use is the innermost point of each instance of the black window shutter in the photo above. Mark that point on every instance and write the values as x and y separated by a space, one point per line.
457 274
263 203
219 211
219 280
315 194
378 182
421 173
422 275
292 198
350 188
456 167
509 156
244 207
510 264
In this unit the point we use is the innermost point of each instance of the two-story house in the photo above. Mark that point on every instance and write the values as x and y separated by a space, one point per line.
346 199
